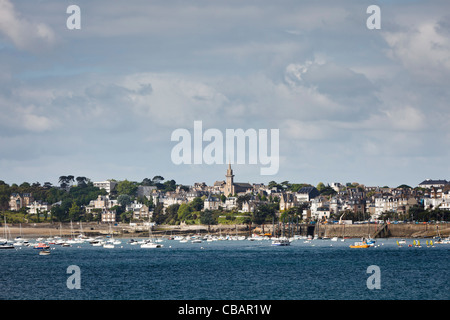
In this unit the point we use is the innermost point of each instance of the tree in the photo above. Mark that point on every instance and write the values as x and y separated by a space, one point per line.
70 179
320 186
196 204
47 185
82 181
157 179
74 212
123 200
169 185
5 193
126 216
158 213
184 212
262 212
63 181
126 187
147 182
57 213
327 191
206 217
273 184
242 199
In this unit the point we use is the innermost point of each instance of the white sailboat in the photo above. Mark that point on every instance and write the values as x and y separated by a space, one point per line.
4 242
150 244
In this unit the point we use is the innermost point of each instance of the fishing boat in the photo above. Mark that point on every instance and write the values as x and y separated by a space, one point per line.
360 244
370 242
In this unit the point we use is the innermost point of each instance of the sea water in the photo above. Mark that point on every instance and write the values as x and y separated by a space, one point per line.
228 270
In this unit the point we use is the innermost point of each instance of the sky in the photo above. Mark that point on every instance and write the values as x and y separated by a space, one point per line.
351 104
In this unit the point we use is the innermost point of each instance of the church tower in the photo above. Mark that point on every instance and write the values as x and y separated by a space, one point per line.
229 186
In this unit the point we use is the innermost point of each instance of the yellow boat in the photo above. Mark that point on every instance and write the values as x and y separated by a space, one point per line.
360 245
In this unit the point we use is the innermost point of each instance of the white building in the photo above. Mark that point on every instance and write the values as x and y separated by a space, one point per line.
212 203
429 183
37 206
107 185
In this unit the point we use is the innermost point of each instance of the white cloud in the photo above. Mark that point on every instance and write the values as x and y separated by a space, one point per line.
423 51
25 34
36 123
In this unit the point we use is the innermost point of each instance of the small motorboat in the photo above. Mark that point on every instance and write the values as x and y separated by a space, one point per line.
281 242
42 246
44 252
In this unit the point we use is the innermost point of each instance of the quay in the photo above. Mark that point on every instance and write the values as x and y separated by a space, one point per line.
319 230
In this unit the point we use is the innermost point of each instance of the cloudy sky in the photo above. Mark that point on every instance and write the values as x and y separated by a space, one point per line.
351 104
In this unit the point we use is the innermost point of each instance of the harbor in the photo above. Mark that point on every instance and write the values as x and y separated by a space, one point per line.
228 269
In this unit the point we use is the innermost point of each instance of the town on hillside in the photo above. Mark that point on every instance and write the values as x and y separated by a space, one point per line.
226 201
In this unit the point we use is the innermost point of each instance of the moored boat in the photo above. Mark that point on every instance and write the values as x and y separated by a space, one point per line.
6 246
44 252
281 242
151 245
42 246
360 245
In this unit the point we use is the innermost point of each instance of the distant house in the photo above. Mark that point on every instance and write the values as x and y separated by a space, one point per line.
141 213
287 201
38 206
18 201
108 216
211 203
230 203
429 183
145 191
307 193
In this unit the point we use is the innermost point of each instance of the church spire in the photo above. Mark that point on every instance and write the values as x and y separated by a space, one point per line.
229 171
229 185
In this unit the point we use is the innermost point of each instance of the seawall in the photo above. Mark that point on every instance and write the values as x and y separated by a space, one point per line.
392 230
322 230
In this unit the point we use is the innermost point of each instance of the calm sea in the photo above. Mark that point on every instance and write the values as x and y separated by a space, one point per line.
228 270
